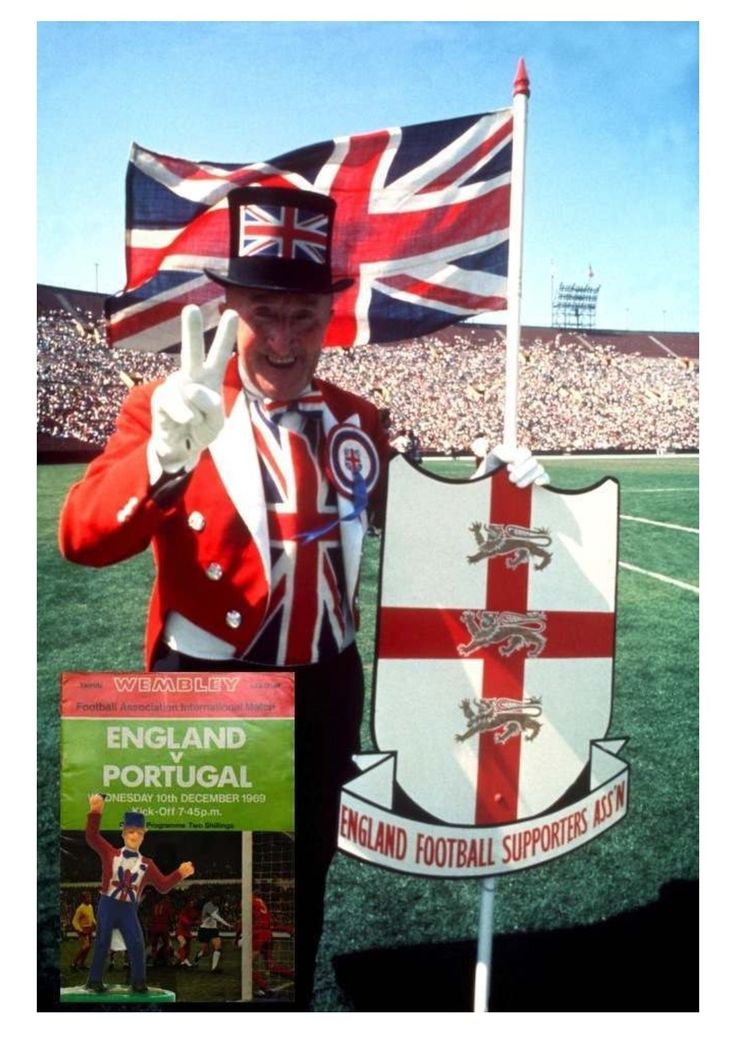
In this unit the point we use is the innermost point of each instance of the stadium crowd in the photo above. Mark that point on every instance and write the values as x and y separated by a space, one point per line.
81 383
446 390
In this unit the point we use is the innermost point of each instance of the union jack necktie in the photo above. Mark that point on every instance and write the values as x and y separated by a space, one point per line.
307 617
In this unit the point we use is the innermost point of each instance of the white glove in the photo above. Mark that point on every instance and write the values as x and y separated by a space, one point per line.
186 410
524 469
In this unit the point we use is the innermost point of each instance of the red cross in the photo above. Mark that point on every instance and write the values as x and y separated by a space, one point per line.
427 633
352 459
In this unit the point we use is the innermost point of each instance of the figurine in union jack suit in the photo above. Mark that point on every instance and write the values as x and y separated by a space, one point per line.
126 872
254 482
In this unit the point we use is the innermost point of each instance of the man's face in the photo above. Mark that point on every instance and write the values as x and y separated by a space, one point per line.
133 837
280 337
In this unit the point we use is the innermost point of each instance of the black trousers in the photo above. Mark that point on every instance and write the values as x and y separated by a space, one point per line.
329 708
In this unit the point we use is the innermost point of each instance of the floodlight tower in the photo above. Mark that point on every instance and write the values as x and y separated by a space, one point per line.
575 306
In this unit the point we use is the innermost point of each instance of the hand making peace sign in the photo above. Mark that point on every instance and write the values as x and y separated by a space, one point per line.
187 412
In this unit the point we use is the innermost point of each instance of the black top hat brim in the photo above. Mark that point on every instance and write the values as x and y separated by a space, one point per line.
252 280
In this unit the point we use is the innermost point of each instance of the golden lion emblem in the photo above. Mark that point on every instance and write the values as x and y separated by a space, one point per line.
511 630
523 545
507 717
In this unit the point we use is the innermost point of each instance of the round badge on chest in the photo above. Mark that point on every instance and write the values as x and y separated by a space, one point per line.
351 458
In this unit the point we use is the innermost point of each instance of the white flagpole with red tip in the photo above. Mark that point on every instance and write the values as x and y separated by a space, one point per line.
513 339
516 233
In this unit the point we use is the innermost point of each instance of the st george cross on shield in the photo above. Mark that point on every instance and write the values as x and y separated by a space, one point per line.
495 641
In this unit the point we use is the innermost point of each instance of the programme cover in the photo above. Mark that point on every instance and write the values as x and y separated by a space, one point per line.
198 769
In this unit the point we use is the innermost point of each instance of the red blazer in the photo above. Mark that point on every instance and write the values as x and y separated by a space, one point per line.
152 875
218 517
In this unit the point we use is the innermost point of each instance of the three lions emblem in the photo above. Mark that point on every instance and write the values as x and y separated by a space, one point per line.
511 630
522 544
507 717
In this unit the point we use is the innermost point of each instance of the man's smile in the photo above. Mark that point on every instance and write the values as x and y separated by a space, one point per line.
281 363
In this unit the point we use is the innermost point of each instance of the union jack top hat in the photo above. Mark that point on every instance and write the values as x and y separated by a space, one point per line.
281 240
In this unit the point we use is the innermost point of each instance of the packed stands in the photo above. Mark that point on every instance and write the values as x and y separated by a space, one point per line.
81 384
572 397
585 391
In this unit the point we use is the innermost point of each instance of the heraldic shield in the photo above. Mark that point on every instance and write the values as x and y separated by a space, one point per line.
495 643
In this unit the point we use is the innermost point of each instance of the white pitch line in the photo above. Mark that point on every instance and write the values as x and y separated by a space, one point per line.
660 489
663 525
659 576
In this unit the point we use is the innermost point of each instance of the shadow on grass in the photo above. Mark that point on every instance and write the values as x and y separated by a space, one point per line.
642 960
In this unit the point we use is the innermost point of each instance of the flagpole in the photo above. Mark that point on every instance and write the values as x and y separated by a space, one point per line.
513 338
516 230
485 946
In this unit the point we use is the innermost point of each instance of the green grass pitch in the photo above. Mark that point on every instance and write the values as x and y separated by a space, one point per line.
197 984
190 985
93 620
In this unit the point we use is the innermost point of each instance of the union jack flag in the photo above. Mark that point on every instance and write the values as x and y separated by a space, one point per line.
307 617
422 227
283 231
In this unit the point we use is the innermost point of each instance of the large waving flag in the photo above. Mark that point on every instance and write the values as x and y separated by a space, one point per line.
422 226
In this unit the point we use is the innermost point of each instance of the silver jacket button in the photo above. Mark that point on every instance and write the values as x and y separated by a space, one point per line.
233 619
214 571
196 521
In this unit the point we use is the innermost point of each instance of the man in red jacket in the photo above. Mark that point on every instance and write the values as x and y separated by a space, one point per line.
160 922
253 483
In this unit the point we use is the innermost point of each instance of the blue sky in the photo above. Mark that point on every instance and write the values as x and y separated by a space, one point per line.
612 153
